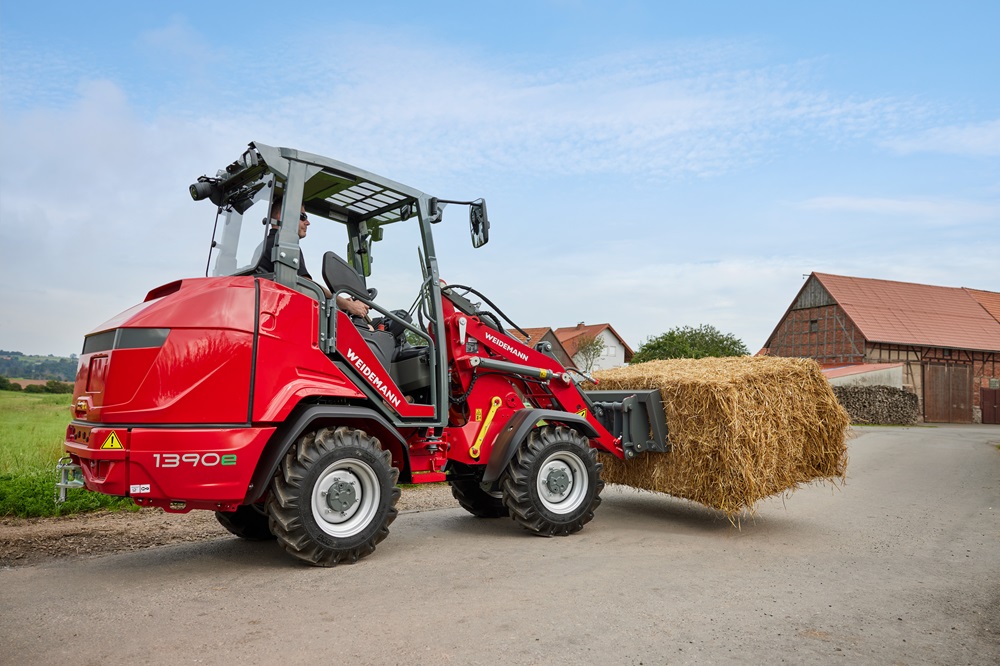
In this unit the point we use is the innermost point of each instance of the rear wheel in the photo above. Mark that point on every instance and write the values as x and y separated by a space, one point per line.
553 483
466 489
334 497
248 522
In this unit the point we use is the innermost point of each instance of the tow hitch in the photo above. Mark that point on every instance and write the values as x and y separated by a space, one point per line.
70 476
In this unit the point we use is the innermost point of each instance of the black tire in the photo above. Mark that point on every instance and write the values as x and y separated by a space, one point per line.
553 483
334 497
469 493
249 522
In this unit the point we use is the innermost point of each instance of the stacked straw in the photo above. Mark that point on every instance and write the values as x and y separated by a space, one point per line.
741 429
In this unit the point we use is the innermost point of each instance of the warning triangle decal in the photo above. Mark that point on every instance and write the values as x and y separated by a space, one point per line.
112 442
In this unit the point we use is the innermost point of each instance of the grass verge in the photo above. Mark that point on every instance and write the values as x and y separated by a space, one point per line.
31 494
32 427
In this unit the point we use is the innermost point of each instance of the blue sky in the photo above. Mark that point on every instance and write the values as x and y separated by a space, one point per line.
649 164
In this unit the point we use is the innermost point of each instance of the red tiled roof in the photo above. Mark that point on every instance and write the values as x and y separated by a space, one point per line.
535 334
915 314
571 336
990 300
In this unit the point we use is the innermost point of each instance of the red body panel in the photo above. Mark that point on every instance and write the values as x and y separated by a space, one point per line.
105 470
290 364
195 465
201 374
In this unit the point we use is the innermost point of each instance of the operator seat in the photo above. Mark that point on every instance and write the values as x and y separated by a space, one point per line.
340 276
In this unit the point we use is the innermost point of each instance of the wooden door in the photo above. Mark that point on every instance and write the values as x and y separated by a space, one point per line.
989 399
947 393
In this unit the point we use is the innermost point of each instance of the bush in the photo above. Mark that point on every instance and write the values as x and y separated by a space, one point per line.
51 386
7 385
687 342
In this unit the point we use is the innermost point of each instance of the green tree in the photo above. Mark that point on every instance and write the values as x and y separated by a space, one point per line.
689 342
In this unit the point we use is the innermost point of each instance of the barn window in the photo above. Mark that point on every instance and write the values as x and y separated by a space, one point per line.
814 325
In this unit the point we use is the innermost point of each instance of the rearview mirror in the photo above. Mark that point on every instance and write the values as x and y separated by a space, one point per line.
479 223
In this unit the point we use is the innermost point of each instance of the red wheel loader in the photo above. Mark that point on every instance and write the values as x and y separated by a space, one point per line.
247 392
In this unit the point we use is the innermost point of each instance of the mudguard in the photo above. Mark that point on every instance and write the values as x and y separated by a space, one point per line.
316 416
516 430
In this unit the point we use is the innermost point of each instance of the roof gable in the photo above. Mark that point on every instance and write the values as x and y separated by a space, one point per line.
571 336
913 314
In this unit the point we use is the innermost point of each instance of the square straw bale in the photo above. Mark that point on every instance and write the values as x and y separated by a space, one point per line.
741 429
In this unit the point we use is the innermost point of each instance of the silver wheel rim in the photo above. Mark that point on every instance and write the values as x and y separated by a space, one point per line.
562 482
352 487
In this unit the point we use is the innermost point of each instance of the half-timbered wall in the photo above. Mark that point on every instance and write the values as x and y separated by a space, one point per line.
823 332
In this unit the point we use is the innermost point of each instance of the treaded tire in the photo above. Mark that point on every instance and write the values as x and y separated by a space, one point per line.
334 497
553 483
470 494
248 522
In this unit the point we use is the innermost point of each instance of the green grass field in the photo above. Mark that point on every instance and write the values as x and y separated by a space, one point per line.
32 427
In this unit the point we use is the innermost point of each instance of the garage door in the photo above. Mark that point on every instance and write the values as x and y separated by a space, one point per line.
947 393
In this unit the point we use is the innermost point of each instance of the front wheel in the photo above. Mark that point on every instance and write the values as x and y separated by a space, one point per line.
553 483
334 497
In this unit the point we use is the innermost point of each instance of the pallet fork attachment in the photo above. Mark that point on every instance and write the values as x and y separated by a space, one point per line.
637 417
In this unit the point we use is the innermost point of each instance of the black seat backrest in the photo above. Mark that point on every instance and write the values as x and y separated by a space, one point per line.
381 344
341 276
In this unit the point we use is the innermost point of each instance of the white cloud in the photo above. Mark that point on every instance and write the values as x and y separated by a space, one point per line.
946 211
699 110
974 140
179 41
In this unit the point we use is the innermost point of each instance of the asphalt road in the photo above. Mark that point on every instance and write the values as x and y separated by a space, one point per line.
900 566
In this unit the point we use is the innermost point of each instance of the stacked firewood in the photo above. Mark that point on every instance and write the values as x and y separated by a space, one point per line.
882 405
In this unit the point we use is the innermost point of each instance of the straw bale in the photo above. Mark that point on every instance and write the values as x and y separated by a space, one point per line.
741 429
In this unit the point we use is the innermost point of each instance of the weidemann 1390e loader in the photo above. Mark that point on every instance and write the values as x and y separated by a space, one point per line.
249 393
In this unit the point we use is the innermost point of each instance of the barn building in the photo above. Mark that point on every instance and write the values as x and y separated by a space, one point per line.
946 339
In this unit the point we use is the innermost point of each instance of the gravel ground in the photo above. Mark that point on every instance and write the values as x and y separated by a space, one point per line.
35 540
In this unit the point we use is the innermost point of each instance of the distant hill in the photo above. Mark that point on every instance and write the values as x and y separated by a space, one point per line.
16 364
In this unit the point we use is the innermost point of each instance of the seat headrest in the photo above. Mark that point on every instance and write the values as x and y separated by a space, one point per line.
341 276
